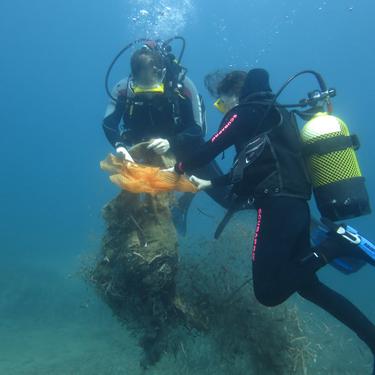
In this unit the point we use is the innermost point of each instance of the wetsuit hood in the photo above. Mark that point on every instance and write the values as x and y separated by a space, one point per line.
256 82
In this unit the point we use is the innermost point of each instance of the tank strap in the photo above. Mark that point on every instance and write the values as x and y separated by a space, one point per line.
325 146
309 113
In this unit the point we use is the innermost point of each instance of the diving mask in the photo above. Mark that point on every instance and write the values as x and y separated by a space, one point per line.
148 78
225 103
157 88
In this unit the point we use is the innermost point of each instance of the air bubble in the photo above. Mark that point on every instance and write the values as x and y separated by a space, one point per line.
144 12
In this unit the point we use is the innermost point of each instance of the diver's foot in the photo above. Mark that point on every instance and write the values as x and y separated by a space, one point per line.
347 242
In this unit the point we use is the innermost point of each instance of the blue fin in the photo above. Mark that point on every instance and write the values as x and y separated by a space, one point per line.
346 265
351 235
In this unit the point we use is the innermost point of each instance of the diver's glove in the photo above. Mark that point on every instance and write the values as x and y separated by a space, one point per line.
200 184
123 153
159 145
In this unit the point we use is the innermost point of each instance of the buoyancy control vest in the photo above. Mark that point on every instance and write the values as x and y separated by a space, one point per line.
133 101
272 163
187 90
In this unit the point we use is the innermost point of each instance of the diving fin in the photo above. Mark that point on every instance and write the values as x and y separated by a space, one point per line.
363 249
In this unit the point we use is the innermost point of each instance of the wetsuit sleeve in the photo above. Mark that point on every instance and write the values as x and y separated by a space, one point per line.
114 112
190 133
232 131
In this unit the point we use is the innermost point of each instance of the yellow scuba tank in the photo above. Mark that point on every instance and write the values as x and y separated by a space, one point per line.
330 152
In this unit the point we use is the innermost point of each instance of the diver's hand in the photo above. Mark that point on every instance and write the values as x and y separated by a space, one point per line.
123 153
168 170
159 145
200 184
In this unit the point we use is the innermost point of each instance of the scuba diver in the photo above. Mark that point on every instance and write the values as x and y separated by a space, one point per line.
160 104
275 169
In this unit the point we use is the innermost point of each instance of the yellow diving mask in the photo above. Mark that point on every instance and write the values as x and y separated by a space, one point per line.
220 105
225 103
154 89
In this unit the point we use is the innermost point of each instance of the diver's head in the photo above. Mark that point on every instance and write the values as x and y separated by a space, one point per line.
256 85
237 87
226 87
148 70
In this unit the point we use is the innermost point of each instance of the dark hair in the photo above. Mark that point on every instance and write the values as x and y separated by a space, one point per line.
223 83
144 56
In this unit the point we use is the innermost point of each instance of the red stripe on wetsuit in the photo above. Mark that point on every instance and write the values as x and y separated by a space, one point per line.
256 236
179 167
224 128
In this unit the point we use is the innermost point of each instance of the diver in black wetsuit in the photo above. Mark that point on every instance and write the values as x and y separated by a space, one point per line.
283 260
170 119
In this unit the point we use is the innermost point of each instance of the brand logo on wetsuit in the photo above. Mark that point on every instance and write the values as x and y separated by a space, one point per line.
256 236
224 128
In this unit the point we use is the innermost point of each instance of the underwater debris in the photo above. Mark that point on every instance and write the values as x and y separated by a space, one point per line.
136 270
168 296
141 178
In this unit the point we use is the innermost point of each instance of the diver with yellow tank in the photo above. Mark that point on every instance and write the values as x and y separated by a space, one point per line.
275 170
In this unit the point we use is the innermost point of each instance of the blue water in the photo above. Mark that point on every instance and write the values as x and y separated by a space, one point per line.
53 59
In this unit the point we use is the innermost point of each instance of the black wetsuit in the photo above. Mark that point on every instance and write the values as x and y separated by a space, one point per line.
153 117
282 257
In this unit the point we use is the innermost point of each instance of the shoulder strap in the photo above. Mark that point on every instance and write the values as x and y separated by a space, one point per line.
174 100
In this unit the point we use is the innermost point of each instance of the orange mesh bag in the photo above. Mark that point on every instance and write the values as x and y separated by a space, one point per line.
140 178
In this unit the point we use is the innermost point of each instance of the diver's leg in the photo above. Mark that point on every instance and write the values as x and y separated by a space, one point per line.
342 309
283 261
219 194
281 223
280 241
284 248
